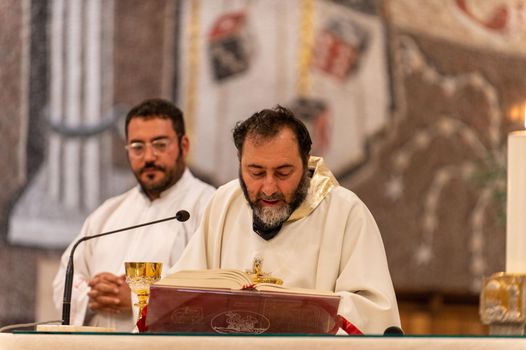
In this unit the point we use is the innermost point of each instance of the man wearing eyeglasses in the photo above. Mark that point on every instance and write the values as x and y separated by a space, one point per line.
156 146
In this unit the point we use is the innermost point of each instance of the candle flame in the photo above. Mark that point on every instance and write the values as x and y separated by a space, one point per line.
517 114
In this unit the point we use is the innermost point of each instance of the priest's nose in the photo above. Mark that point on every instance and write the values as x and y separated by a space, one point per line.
269 186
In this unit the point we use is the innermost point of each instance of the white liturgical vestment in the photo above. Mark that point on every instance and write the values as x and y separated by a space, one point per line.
162 242
331 242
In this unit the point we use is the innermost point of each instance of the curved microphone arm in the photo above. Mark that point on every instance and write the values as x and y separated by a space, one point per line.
181 215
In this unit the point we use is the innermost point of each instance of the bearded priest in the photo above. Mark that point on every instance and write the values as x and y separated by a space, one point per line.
288 211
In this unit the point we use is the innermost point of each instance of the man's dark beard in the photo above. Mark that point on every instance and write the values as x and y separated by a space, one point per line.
172 176
269 231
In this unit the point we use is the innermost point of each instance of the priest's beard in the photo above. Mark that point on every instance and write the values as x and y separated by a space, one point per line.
271 218
171 176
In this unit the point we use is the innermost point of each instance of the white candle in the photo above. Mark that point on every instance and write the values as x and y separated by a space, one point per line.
516 211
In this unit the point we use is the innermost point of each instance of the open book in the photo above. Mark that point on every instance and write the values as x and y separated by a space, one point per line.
229 279
228 301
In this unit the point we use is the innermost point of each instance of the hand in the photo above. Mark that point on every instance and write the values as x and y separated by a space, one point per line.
109 293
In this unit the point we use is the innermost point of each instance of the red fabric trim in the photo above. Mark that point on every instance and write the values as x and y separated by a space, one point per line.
348 327
141 323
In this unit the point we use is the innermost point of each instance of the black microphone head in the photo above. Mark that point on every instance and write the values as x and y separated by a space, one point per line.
393 331
182 215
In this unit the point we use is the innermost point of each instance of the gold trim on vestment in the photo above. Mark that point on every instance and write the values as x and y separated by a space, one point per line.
322 182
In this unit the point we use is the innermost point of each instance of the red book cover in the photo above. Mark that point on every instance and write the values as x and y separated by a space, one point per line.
187 310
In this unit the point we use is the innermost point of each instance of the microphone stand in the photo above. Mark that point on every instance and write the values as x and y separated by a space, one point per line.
181 215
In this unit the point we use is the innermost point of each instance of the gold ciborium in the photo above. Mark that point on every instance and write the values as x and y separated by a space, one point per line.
139 276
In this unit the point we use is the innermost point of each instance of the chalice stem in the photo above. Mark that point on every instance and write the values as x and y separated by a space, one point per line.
143 301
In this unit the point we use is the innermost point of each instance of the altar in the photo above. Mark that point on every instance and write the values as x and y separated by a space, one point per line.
124 341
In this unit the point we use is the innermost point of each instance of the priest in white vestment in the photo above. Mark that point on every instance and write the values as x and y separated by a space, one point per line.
288 210
157 147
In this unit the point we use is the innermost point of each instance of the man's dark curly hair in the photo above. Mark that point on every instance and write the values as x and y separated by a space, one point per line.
267 124
158 108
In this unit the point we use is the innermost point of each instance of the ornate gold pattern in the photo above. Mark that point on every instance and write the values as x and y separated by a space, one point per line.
503 299
139 276
258 276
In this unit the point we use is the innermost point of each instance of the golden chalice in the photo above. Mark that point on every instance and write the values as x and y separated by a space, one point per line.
139 276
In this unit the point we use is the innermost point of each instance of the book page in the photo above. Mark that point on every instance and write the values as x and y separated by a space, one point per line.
229 279
269 287
217 278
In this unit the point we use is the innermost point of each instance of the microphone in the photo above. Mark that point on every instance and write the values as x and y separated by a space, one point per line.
393 331
181 215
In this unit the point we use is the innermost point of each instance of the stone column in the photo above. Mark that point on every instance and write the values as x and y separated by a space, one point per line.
77 168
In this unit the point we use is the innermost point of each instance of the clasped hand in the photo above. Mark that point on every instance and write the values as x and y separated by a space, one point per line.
109 293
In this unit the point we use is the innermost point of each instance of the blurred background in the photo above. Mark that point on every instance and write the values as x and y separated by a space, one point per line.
409 102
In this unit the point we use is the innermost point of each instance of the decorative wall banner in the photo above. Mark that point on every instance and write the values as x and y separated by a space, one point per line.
339 47
269 52
229 50
317 117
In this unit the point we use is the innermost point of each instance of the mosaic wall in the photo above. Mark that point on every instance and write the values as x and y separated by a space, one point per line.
435 176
